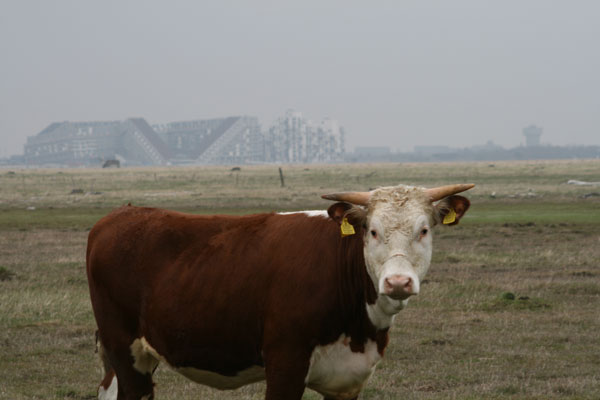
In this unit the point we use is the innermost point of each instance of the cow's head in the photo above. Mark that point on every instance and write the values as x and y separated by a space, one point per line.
396 226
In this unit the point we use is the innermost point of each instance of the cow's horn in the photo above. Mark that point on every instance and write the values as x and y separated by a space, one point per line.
358 198
439 193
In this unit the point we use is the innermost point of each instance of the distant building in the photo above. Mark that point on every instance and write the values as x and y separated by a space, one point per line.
532 135
372 151
433 150
488 146
295 139
232 140
132 141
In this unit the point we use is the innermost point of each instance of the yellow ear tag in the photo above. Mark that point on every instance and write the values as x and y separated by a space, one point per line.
346 228
450 217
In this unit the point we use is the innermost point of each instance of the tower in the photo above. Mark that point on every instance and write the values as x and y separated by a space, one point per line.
532 135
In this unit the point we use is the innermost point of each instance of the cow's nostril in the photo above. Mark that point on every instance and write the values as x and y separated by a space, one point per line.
389 287
399 286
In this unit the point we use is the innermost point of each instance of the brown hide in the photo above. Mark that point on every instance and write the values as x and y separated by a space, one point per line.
223 293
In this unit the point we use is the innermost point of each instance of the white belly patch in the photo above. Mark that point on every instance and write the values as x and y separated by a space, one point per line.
146 358
338 372
217 381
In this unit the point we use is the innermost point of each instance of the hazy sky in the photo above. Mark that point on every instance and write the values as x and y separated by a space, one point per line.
397 73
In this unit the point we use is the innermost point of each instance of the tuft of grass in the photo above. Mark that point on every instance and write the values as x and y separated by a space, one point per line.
508 296
436 342
6 274
452 259
508 390
67 393
508 301
564 390
372 393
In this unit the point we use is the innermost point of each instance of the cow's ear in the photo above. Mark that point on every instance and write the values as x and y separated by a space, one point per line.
451 209
338 210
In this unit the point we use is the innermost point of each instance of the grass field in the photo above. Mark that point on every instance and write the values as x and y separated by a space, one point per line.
508 310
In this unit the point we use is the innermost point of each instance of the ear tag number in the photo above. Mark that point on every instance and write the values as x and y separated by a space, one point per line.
450 217
346 228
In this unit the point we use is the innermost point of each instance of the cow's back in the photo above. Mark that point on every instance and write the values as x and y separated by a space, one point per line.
136 247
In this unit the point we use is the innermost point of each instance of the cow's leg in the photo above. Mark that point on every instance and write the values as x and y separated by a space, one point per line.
108 386
285 375
127 370
134 380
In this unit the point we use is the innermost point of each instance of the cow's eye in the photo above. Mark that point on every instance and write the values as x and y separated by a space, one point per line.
374 233
424 232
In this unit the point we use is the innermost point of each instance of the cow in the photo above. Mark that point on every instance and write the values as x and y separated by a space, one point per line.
302 299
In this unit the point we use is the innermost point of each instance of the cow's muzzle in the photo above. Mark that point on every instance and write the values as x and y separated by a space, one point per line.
399 287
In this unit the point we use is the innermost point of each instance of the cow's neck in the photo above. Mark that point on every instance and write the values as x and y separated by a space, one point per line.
383 311
356 292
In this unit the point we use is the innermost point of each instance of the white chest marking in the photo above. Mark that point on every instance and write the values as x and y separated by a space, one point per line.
338 372
111 392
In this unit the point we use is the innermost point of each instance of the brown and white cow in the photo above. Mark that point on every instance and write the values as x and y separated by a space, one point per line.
229 300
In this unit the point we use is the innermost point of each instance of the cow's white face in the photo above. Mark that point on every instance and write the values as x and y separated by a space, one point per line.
396 225
398 242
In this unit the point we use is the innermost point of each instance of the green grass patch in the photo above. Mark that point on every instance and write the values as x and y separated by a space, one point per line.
508 301
51 218
84 217
534 211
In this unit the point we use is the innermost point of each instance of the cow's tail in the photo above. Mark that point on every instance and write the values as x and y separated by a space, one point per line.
108 387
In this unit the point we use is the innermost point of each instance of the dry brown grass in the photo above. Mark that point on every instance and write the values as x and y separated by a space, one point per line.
462 337
259 187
